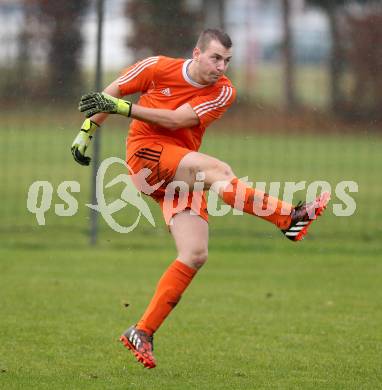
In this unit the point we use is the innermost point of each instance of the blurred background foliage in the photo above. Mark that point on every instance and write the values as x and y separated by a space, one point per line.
308 75
44 48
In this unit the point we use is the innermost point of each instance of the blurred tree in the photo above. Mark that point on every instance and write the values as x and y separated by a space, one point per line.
167 27
214 14
24 38
364 57
63 21
289 68
331 7
17 74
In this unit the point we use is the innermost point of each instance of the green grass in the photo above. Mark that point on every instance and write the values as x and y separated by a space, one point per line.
262 317
264 313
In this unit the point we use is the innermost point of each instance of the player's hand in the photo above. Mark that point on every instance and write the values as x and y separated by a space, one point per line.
82 141
95 102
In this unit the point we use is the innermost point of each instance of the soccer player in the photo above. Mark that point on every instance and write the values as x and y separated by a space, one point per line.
179 99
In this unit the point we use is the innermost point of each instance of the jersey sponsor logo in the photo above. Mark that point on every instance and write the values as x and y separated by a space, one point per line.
166 91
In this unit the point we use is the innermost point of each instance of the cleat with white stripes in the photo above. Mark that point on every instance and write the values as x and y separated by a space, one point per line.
303 215
140 344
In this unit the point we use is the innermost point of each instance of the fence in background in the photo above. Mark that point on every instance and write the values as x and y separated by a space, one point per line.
36 134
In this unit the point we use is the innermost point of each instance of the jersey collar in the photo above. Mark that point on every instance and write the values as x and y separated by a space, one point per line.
188 78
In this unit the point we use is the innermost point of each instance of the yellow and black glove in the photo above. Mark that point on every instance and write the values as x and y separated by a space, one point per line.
96 102
82 141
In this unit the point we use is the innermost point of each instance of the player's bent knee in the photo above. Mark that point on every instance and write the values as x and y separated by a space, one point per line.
199 262
222 171
226 171
196 258
217 172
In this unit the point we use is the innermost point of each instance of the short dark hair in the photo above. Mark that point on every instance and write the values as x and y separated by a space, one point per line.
211 34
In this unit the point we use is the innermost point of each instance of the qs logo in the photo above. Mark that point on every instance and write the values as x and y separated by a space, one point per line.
129 196
40 196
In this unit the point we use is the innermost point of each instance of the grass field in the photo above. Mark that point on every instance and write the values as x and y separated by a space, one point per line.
263 313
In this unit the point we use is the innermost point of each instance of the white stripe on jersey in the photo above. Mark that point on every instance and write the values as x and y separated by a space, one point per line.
219 102
138 68
199 106
222 103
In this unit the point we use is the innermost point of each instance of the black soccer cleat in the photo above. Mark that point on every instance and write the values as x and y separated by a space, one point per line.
140 344
303 215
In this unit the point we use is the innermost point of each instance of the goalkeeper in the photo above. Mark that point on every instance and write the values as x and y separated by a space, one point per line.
179 99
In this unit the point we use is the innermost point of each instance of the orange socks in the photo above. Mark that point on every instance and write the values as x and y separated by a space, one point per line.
169 290
178 275
256 202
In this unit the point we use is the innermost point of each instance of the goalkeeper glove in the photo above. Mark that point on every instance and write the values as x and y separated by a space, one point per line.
82 141
95 102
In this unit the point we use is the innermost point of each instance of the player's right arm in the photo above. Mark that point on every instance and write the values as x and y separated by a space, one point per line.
95 103
98 106
89 127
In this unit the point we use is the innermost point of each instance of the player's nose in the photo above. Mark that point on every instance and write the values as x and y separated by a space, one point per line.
220 66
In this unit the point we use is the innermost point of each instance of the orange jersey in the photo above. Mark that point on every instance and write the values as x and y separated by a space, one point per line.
164 83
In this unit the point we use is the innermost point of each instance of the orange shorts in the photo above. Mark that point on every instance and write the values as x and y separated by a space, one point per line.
162 159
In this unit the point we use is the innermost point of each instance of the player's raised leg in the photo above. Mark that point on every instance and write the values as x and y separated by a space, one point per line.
190 233
220 177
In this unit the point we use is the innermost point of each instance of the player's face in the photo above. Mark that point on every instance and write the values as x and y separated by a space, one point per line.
213 62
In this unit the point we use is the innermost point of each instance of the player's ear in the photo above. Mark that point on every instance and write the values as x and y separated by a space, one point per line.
196 54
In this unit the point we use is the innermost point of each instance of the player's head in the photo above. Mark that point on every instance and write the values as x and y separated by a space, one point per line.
212 54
